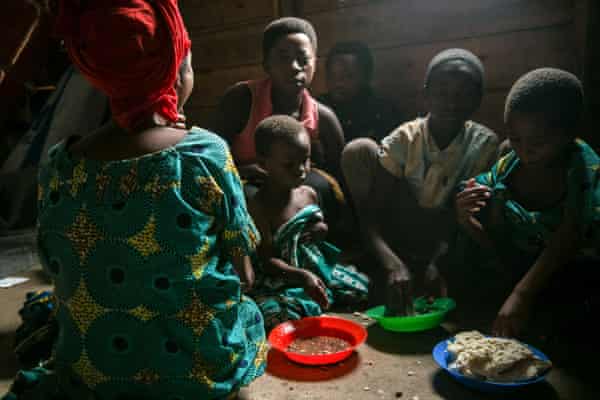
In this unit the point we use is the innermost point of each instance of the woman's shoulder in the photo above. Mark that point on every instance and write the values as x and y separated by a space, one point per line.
59 158
202 143
198 134
59 149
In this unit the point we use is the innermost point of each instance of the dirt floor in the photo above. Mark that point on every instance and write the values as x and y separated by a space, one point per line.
388 366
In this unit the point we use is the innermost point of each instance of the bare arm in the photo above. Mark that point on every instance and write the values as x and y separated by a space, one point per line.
233 112
516 310
562 246
230 120
381 192
243 267
478 233
398 279
331 138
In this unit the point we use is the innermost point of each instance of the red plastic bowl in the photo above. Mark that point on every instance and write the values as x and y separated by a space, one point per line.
284 334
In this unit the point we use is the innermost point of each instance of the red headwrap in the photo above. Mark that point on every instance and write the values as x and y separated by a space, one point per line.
129 49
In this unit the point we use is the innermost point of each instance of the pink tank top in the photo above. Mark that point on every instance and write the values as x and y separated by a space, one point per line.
243 147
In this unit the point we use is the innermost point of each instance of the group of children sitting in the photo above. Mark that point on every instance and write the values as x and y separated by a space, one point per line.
425 182
533 208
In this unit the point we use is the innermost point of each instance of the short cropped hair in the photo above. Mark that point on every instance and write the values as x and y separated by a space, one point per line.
286 26
553 92
276 128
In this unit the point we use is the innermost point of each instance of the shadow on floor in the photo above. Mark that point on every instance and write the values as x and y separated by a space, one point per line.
405 343
8 362
18 252
278 365
447 388
40 276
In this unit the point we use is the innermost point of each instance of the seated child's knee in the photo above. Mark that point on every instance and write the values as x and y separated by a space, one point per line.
359 151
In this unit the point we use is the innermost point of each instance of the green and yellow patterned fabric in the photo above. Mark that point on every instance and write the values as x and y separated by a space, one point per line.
148 303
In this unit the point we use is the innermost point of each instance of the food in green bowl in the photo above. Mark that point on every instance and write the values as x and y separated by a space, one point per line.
428 315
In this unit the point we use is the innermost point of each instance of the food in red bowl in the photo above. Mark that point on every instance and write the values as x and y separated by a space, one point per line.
317 340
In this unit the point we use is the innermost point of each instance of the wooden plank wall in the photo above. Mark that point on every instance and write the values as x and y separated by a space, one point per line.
589 29
31 66
510 36
226 47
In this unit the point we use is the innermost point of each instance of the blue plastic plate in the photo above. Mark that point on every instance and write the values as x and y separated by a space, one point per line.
441 357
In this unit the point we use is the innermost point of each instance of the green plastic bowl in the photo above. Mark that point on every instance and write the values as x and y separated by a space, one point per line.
416 323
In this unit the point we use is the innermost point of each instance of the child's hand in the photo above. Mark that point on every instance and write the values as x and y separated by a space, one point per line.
470 201
434 284
316 289
399 293
244 270
315 232
248 278
513 315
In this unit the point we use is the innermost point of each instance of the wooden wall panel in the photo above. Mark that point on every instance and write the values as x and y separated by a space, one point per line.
393 22
510 36
209 88
230 48
217 14
312 6
226 43
199 115
491 112
31 65
592 73
237 11
22 14
210 85
201 14
505 57
581 11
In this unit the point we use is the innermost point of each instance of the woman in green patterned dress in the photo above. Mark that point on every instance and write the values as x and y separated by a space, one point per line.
144 230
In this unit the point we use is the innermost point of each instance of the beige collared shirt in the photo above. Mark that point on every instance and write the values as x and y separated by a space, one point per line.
410 152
